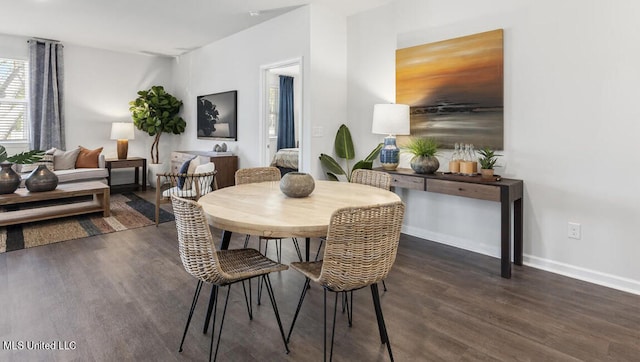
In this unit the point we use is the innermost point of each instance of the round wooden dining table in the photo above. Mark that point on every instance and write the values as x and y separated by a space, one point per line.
262 209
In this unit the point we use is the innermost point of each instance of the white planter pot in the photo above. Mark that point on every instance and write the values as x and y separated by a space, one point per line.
153 169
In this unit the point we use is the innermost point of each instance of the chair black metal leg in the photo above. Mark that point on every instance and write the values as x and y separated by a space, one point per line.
349 304
224 312
279 250
260 281
248 300
333 330
318 252
324 330
215 311
346 296
384 337
209 309
272 298
295 316
193 307
297 246
246 241
384 286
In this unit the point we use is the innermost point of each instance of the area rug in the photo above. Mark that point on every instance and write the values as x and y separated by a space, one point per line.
128 211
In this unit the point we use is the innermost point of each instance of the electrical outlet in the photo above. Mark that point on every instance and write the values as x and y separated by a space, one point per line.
574 230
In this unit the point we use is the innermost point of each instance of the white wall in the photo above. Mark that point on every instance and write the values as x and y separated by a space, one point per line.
99 84
328 89
234 63
571 76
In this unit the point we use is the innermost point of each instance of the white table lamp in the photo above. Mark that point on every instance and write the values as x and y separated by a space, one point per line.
392 120
123 132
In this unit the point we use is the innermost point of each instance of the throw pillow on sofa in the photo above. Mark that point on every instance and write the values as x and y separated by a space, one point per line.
88 158
65 160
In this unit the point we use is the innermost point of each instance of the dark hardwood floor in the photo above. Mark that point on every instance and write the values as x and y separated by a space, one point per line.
125 297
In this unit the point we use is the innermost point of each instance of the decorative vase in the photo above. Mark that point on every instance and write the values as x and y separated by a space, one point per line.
425 164
153 170
41 179
297 184
9 179
486 173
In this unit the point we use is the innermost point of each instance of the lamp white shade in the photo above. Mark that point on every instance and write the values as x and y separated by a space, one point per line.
122 131
391 119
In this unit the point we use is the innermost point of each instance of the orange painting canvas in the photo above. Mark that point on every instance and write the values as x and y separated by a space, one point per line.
455 89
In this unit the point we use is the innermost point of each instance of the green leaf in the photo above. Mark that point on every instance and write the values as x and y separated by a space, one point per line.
330 164
374 154
332 177
3 154
367 165
344 143
26 157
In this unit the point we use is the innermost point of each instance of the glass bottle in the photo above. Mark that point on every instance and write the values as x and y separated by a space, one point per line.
473 159
466 165
454 163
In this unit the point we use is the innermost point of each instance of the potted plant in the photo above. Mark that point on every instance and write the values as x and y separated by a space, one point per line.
343 145
487 159
424 151
155 111
9 179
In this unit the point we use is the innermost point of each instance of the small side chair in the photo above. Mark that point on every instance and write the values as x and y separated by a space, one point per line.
190 186
220 268
360 249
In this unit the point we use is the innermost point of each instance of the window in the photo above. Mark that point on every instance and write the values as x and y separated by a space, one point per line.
13 100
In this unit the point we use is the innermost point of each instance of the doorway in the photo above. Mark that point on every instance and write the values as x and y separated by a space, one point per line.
269 109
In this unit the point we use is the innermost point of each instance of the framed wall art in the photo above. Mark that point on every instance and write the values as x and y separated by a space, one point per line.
218 116
455 89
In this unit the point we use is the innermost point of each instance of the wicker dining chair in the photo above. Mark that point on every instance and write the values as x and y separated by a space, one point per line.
372 178
190 186
220 268
361 247
263 174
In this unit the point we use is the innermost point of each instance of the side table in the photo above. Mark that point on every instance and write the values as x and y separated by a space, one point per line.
135 162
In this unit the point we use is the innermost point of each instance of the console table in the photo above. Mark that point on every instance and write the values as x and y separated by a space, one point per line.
503 190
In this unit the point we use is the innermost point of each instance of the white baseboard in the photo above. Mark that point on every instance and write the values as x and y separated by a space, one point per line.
587 275
572 271
452 241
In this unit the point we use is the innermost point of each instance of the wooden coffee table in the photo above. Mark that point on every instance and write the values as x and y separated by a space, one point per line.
98 190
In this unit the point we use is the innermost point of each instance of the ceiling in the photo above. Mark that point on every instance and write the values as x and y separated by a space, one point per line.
158 27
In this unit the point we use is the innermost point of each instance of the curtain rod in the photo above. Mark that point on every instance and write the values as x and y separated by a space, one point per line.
43 39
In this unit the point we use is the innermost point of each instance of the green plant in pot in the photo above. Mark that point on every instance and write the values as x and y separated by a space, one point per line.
424 151
9 179
343 145
155 111
487 159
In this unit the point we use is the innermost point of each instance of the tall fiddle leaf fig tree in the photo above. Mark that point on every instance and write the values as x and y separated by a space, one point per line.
343 145
155 111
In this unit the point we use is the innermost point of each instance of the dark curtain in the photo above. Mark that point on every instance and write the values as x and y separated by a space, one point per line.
286 130
46 99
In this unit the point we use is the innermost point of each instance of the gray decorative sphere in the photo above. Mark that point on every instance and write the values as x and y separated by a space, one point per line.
297 184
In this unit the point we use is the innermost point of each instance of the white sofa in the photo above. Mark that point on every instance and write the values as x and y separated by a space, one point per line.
78 174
